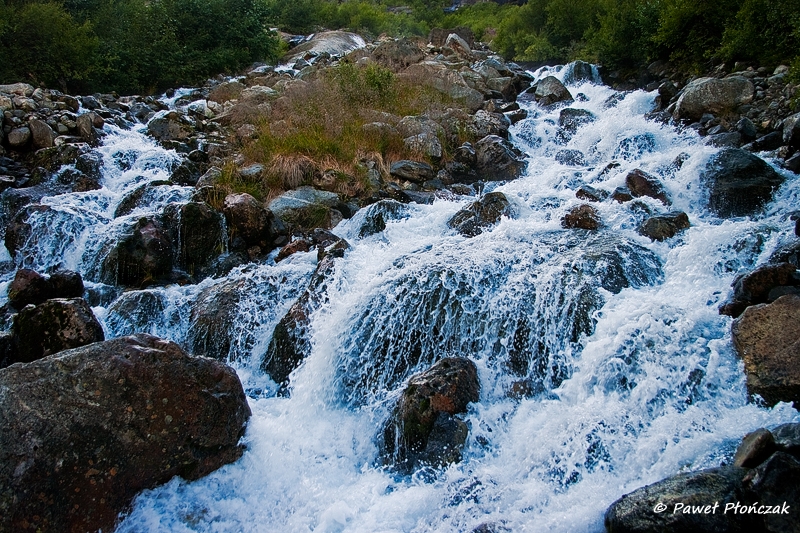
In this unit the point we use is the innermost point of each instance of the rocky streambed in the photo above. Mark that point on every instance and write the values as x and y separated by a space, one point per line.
486 338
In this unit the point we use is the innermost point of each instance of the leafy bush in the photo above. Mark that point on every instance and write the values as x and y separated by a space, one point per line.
42 43
764 30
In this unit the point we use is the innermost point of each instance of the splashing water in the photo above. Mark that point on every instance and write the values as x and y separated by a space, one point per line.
629 366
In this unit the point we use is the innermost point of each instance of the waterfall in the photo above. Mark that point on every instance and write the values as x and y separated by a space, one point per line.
625 366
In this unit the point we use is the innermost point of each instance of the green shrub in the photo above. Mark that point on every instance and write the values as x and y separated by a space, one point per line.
42 43
767 31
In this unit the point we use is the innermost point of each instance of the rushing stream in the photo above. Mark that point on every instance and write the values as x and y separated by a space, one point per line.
628 367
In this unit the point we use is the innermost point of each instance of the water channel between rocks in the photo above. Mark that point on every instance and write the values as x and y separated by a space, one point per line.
618 340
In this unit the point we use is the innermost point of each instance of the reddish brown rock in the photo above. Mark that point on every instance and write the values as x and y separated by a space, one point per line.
422 429
141 411
581 217
640 183
767 338
28 287
53 326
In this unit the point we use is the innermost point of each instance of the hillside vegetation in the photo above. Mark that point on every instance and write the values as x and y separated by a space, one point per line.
144 46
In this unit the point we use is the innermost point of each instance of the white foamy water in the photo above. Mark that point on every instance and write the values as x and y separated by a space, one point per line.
631 366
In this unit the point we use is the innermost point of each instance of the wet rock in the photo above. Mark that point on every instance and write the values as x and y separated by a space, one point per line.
570 119
141 411
579 71
289 344
774 484
41 134
134 199
581 217
621 195
739 183
188 173
299 245
29 287
248 219
480 215
422 430
496 159
53 326
549 91
787 438
198 229
663 227
143 256
589 193
641 183
755 287
134 312
90 164
767 338
634 512
712 95
755 448
86 130
413 171
212 319
771 141
18 230
378 214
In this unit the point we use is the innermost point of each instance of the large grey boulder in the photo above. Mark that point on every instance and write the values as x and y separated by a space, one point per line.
550 91
140 411
42 134
335 43
712 95
170 126
791 131
307 207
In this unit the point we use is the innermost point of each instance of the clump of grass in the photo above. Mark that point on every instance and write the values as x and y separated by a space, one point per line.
318 127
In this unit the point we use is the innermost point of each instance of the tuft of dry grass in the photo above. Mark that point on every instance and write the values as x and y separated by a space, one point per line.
314 133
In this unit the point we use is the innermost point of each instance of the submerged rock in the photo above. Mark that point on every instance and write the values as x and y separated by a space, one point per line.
422 429
141 411
289 343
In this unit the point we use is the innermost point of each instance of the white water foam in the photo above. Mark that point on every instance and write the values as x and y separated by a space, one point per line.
654 390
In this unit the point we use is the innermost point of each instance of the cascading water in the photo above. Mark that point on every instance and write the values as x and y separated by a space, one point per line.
626 366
